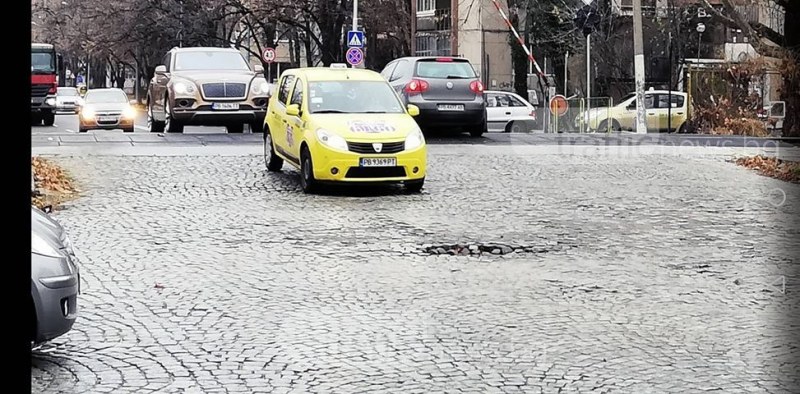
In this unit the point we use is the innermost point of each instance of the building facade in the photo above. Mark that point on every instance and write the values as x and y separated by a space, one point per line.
472 29
717 42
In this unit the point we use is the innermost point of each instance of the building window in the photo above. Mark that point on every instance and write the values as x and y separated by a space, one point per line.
426 6
433 44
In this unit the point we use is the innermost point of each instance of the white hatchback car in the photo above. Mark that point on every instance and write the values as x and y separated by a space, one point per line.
508 112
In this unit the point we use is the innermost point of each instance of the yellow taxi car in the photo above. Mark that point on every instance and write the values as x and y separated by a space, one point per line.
342 124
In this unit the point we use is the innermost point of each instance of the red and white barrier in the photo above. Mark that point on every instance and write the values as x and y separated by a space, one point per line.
521 43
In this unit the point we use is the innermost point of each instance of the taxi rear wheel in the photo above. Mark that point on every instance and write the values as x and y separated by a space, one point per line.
273 162
307 180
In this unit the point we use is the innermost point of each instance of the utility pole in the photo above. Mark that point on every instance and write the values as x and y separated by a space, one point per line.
566 62
355 15
355 28
588 71
669 86
638 67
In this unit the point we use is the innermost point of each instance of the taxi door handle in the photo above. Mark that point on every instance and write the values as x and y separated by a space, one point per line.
508 113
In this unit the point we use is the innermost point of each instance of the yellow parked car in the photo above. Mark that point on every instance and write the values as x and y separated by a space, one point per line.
342 124
623 115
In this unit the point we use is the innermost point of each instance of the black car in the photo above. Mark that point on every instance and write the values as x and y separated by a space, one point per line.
447 91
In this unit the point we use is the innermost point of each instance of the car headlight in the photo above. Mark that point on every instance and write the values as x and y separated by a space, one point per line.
129 112
414 139
87 113
331 140
183 88
259 87
42 247
50 101
67 244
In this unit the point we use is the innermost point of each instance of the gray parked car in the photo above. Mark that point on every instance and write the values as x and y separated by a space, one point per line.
446 90
55 279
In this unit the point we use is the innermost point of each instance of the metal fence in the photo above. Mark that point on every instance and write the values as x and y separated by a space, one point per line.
583 116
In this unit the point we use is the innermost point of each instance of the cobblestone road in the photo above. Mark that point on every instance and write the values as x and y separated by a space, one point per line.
651 273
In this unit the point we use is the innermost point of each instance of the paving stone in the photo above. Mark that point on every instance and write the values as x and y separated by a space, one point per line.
626 284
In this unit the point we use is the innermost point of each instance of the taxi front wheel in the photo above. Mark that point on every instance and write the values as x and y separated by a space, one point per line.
273 162
414 186
307 181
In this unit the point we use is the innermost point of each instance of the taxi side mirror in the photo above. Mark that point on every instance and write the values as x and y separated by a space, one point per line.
293 110
413 110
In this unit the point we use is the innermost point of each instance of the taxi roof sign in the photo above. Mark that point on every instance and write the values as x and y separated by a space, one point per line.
338 65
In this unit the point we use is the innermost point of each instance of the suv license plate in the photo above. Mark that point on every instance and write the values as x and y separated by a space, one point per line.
451 107
378 162
228 106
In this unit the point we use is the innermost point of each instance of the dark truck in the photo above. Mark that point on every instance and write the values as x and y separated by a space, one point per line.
44 83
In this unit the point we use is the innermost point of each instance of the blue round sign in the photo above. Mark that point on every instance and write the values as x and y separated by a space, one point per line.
354 56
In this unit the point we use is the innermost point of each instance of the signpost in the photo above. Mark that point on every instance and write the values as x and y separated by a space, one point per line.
558 107
355 51
355 56
268 55
355 39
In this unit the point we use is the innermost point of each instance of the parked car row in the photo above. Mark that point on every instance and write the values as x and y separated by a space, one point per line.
217 87
450 94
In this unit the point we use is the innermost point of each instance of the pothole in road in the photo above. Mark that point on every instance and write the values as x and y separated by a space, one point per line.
493 248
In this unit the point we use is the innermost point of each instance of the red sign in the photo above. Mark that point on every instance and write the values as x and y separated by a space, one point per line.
558 105
268 55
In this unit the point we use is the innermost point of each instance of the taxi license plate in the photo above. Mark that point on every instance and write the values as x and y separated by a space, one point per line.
451 107
378 162
106 119
226 106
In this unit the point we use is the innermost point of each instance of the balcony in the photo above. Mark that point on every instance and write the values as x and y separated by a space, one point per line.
440 19
768 14
433 43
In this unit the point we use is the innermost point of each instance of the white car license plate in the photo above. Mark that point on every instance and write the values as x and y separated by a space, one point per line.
451 107
378 162
227 106
106 118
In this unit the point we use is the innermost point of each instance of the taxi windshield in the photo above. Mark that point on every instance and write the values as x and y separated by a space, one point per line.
352 97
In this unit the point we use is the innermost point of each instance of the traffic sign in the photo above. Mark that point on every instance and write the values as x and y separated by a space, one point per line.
355 39
558 105
268 55
355 56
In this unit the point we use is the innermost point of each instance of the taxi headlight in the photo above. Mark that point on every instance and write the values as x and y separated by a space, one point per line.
183 88
40 246
414 140
259 87
331 140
